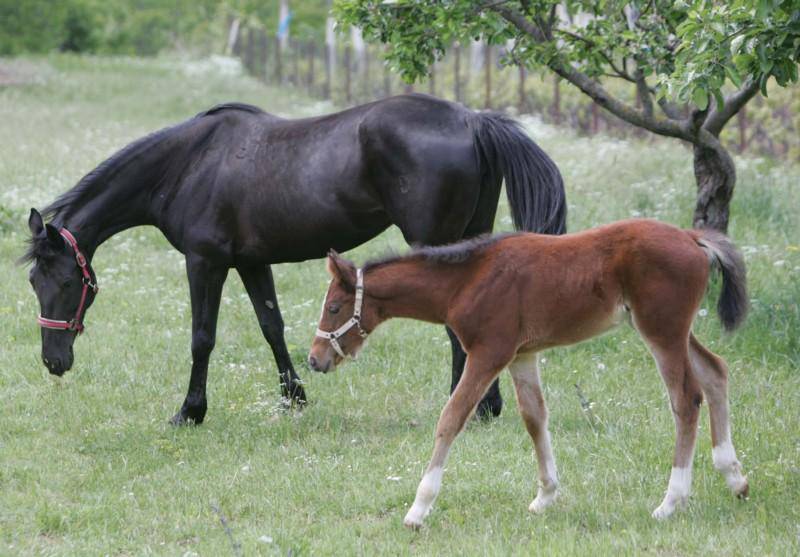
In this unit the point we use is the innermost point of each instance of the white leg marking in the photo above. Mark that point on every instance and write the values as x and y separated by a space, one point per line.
548 480
680 484
426 494
724 456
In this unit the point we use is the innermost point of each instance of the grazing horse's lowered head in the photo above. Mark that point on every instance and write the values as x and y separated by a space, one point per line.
65 285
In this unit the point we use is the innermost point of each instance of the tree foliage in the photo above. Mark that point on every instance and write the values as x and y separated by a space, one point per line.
682 55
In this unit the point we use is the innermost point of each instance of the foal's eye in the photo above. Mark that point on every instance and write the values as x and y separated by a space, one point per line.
333 308
67 283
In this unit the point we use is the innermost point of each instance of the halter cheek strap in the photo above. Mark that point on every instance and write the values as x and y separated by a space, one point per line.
355 321
76 323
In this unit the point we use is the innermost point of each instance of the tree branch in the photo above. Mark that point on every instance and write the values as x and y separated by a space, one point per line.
594 90
733 103
670 110
619 71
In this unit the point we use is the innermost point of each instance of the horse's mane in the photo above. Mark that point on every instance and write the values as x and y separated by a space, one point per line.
450 254
107 169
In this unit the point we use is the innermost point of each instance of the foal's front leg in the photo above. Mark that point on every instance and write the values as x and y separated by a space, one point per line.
478 375
205 287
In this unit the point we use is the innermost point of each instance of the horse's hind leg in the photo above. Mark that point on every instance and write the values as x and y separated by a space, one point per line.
478 374
524 370
712 373
685 398
260 287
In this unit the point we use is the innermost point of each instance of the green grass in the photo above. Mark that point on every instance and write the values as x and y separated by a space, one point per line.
89 465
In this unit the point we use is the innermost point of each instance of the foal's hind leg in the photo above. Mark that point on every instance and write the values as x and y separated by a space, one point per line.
533 409
261 288
685 398
712 373
478 375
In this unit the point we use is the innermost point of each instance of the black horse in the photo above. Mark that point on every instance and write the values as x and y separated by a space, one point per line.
235 187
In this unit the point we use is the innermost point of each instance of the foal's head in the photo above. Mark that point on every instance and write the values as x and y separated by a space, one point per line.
342 325
58 281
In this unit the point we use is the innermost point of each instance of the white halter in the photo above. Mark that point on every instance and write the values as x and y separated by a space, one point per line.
333 337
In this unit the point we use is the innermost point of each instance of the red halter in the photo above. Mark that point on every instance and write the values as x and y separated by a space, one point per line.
76 323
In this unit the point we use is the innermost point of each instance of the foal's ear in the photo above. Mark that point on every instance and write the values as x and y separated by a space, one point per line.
341 268
35 223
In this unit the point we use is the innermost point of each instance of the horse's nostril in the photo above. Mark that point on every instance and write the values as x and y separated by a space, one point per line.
312 361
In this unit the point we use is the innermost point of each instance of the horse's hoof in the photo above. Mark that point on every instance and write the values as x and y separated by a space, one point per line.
743 492
412 523
296 394
489 409
181 419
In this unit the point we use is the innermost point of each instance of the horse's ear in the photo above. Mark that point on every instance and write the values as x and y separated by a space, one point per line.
54 237
341 268
35 223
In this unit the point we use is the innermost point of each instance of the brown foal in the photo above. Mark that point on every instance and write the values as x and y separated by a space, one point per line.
509 297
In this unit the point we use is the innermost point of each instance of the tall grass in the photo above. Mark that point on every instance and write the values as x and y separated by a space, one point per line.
89 466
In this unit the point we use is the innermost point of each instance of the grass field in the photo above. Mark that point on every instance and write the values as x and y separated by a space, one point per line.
89 465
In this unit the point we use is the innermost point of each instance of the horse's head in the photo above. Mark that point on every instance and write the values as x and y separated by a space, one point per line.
65 287
344 320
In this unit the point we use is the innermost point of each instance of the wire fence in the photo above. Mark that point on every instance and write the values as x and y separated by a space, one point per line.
474 76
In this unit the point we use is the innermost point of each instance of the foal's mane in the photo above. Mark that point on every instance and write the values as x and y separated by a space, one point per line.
106 170
450 254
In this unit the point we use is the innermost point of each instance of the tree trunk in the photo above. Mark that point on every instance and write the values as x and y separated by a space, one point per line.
715 174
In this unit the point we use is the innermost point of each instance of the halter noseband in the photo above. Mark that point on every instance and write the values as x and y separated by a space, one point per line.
333 337
76 323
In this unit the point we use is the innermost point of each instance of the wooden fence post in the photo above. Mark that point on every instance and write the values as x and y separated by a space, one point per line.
387 80
457 71
741 120
487 62
278 62
262 54
328 71
249 52
312 51
348 96
294 46
365 76
556 100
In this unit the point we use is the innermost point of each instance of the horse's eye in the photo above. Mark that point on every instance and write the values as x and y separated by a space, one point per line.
333 308
67 283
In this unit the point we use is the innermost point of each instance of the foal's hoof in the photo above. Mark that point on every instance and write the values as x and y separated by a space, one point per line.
667 508
743 492
412 523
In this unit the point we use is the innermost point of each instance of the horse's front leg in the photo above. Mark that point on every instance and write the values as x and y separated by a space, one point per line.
205 288
261 288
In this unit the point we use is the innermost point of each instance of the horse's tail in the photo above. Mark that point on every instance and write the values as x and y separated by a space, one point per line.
722 253
533 183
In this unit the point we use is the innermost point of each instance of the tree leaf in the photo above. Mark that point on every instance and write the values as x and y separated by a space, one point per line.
700 98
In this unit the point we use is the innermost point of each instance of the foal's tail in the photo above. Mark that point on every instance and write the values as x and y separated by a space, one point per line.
733 301
533 183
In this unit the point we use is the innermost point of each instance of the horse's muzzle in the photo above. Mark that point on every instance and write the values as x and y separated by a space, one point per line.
58 366
316 365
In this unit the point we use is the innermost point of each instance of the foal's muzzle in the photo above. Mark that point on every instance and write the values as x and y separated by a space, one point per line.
315 365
